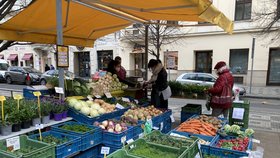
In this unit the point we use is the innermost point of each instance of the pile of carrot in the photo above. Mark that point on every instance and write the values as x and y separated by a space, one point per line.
195 126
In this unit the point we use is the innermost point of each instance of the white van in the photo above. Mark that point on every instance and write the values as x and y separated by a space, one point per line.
3 68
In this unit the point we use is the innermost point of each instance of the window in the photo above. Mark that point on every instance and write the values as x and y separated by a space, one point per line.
4 66
171 60
243 10
273 77
206 78
190 77
239 61
137 25
51 72
203 61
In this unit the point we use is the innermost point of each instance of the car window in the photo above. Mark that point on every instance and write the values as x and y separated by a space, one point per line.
206 78
189 77
31 70
14 69
4 66
51 72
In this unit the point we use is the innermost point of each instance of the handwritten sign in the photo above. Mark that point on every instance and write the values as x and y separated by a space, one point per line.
62 56
59 90
108 95
97 96
90 98
38 94
13 143
39 127
125 99
18 97
238 113
119 106
105 150
2 99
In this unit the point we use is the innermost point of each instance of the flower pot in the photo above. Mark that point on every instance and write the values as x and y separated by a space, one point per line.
51 115
26 124
16 127
6 130
46 119
36 121
64 114
57 117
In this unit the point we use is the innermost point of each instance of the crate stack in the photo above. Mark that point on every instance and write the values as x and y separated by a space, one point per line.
189 111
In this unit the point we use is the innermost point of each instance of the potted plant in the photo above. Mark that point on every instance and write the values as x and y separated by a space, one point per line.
57 112
15 118
46 108
36 118
6 126
26 115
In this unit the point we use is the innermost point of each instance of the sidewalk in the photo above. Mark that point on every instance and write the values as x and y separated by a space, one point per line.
267 92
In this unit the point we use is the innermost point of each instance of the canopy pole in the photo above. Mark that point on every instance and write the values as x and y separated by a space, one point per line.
146 56
59 41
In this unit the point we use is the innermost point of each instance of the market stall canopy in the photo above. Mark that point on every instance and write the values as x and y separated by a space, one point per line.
86 20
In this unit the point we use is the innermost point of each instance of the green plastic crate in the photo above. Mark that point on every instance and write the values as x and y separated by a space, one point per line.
41 150
120 154
245 121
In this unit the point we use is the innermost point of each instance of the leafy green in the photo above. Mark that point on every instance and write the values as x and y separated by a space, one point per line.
53 140
76 128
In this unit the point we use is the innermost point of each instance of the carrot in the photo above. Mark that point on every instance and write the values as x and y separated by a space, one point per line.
207 130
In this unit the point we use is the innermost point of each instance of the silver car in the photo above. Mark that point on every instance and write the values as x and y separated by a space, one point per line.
204 79
25 75
54 73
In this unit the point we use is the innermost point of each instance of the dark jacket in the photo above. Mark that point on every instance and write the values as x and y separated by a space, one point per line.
161 83
218 88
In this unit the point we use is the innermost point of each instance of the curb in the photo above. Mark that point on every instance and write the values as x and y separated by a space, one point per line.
260 97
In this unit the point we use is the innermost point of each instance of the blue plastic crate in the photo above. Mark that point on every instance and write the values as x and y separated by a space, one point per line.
66 149
76 115
89 153
88 139
185 116
114 139
28 93
112 149
161 118
221 152
166 126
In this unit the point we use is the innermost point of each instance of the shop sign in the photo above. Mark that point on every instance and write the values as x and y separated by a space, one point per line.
62 56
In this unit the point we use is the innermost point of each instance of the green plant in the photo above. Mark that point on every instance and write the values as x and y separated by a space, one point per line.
176 87
15 117
46 108
7 120
53 81
27 110
57 109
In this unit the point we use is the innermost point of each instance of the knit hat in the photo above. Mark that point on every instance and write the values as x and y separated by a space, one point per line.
219 65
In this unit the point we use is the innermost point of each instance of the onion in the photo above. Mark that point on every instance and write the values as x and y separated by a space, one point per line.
105 123
101 126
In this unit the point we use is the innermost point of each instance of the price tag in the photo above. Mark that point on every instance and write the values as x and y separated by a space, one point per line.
39 126
69 150
256 141
108 95
2 98
13 143
141 135
123 139
161 126
37 94
125 99
90 98
155 128
18 97
97 96
136 101
105 150
130 141
119 106
91 142
59 90
172 118
238 113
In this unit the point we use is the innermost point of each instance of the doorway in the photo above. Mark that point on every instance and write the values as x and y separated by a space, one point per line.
104 57
84 64
273 73
203 61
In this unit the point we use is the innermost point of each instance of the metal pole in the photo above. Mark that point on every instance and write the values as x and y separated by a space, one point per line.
59 41
146 50
252 65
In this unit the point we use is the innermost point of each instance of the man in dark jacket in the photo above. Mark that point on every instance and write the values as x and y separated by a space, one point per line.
225 79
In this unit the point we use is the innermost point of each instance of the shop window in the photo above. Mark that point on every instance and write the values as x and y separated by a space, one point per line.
203 61
273 77
239 61
243 10
171 60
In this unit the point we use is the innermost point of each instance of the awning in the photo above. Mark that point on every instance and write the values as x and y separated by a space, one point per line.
1 56
88 21
13 57
27 56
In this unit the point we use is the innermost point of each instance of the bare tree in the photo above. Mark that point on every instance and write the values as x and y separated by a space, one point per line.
160 33
8 9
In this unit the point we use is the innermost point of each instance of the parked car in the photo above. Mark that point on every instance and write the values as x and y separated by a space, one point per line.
25 75
54 73
3 68
204 79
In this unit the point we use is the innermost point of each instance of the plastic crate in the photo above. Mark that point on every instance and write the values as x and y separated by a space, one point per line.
192 108
245 121
89 153
120 154
43 150
114 139
161 118
76 115
221 152
66 149
28 93
112 150
88 139
167 126
185 116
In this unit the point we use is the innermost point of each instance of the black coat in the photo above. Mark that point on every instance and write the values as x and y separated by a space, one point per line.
161 83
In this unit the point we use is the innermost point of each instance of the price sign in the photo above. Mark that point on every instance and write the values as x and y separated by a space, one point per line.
97 96
39 127
90 98
256 141
37 94
105 150
2 99
136 101
59 90
172 118
108 95
18 97
13 144
125 99
119 106
130 141
238 113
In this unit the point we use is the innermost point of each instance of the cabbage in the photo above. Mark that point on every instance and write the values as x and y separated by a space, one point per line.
94 113
227 128
101 111
95 106
72 102
84 104
85 110
235 128
89 103
78 105
249 132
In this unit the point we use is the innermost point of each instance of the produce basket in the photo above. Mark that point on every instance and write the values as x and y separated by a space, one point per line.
89 153
76 115
89 139
70 146
229 153
138 147
241 122
112 150
28 149
189 110
120 154
161 118
115 139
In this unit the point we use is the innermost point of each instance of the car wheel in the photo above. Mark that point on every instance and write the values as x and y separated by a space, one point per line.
43 82
28 82
9 80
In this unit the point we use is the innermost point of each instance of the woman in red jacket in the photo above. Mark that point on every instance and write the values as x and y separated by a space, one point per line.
225 79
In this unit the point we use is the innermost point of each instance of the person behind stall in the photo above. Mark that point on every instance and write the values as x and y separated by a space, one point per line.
160 89
114 67
122 72
47 68
52 67
221 93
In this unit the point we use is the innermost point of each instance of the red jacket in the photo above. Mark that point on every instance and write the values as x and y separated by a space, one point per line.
122 73
218 88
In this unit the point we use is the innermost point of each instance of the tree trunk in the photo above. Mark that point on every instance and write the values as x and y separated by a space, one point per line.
158 38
